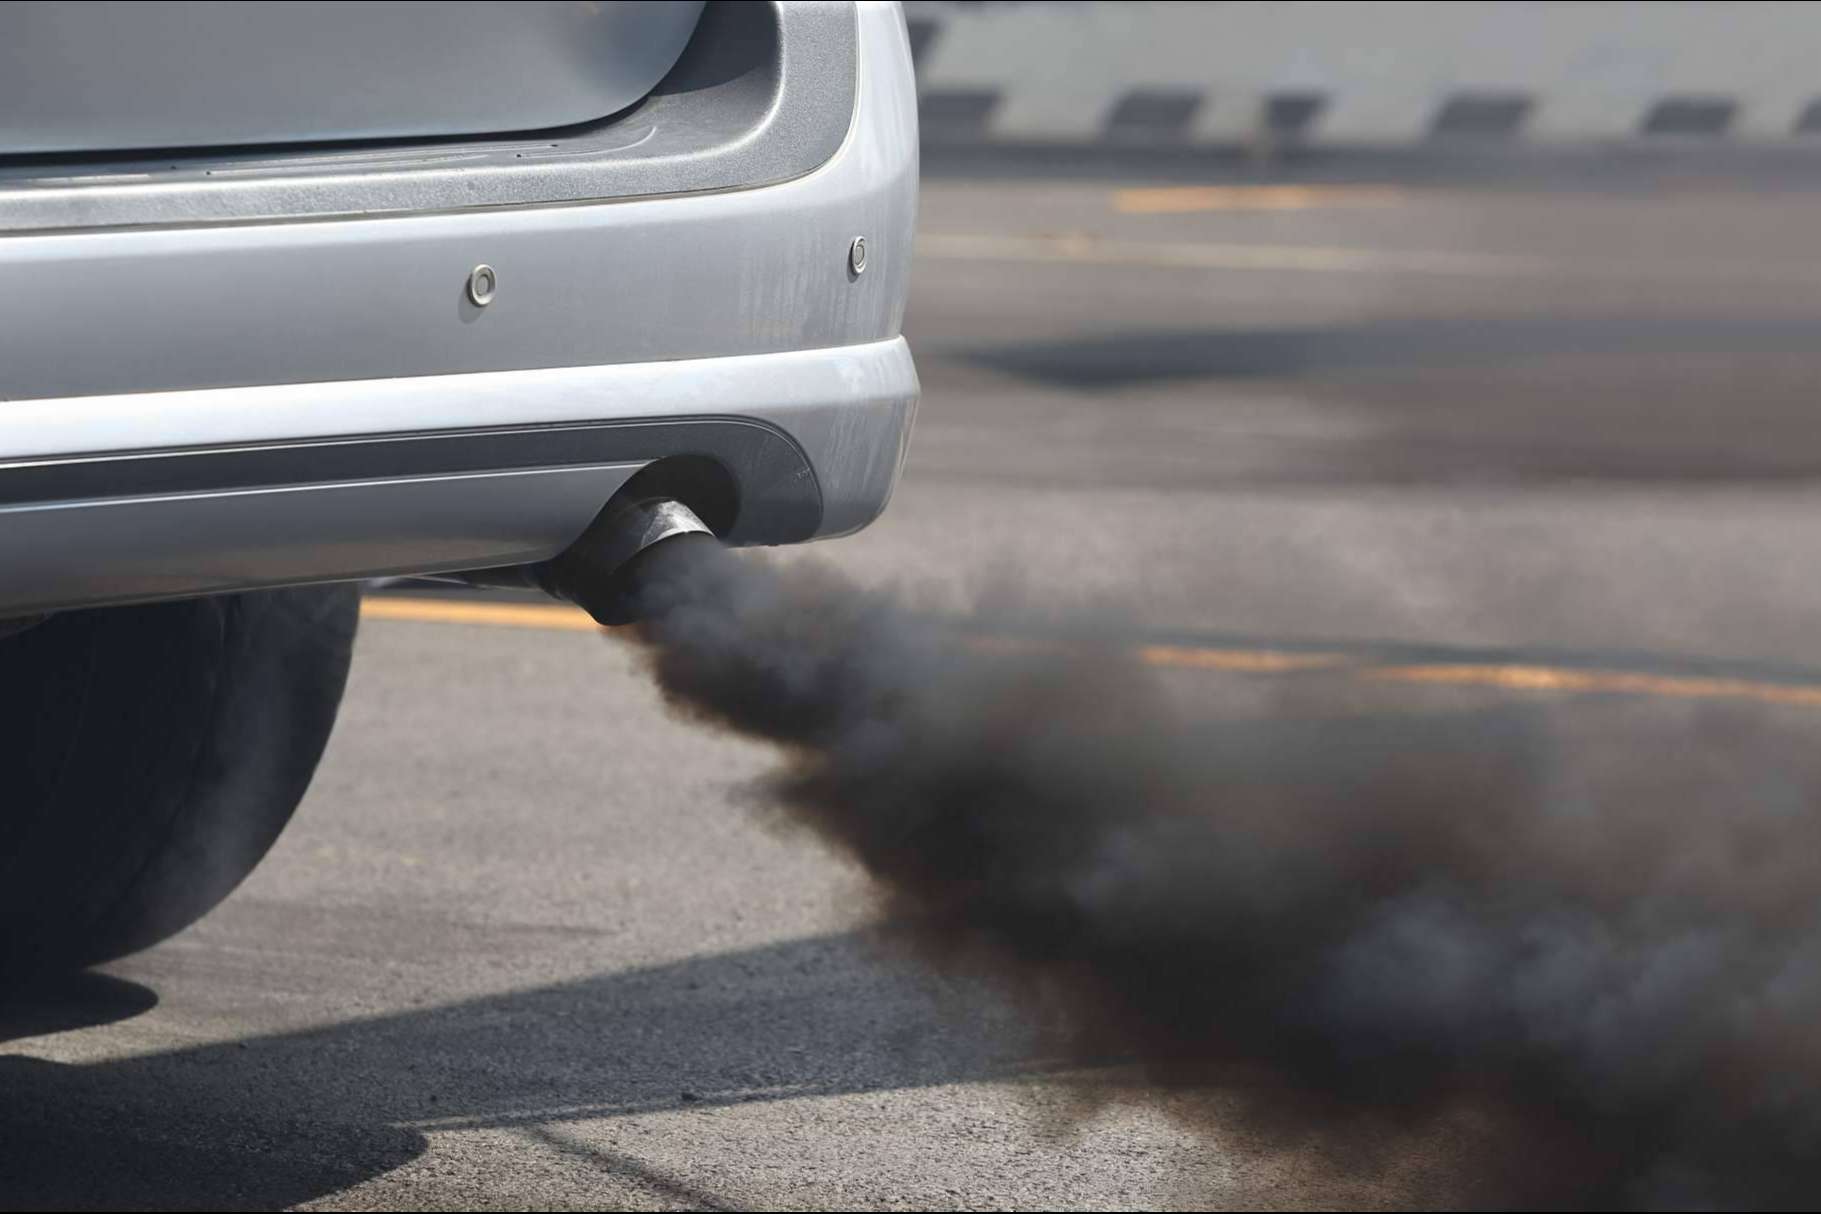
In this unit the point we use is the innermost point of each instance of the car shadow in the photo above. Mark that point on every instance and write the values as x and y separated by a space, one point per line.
278 1120
70 1001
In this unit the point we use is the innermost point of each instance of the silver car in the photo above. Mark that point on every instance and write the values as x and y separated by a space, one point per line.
294 294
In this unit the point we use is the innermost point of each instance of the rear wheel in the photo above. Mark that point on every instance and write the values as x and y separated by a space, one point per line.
149 756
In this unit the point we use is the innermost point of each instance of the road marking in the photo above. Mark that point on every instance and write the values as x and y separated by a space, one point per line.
1621 682
1084 249
1505 676
548 616
1179 200
1249 661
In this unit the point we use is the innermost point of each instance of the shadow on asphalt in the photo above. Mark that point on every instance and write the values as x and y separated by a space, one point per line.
1101 361
274 1121
1436 400
74 1001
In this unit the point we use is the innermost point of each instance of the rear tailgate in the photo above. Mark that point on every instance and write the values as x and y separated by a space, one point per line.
112 76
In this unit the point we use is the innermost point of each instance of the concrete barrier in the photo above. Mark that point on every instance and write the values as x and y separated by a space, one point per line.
1268 73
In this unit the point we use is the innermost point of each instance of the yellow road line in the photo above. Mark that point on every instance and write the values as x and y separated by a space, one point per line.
1623 682
1084 249
1250 661
1512 676
548 616
1178 200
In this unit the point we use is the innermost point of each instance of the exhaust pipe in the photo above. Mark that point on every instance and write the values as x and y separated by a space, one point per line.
600 571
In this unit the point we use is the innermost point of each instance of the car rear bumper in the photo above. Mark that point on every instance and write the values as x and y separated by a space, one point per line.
193 409
812 439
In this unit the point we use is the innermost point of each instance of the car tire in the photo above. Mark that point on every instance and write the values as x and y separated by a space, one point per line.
149 757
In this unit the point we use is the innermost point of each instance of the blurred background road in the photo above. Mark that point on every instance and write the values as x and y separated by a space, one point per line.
532 941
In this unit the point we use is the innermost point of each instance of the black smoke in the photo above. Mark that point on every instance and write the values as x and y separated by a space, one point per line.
1372 931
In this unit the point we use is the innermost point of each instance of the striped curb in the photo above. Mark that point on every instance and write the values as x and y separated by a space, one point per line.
1116 74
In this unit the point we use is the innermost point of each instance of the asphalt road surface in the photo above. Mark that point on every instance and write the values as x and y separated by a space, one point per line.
533 942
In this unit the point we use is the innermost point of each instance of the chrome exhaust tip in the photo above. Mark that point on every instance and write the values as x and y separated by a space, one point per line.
599 572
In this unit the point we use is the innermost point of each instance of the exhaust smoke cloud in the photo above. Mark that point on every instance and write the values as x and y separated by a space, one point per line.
1369 931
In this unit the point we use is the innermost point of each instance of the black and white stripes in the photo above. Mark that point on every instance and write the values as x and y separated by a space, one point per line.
1127 74
1163 115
